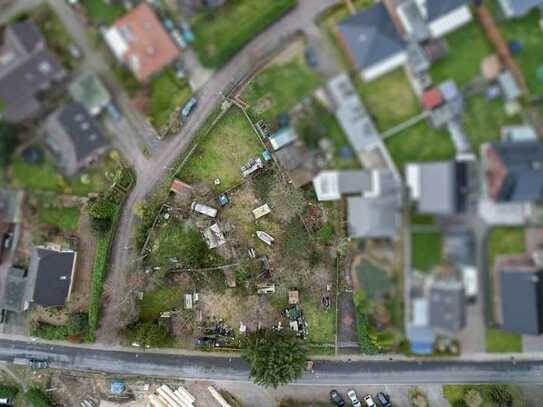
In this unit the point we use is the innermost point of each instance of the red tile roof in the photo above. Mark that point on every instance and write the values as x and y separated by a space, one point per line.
150 48
432 98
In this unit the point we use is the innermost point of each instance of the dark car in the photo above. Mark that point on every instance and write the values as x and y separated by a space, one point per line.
205 341
383 399
311 57
336 398
38 364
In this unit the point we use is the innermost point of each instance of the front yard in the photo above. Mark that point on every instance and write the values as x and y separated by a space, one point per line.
468 47
219 35
166 94
498 341
390 99
228 146
280 86
420 143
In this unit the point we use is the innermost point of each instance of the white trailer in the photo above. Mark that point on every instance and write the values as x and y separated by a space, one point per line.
204 209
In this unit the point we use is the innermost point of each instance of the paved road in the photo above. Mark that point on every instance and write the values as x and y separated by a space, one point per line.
225 369
150 173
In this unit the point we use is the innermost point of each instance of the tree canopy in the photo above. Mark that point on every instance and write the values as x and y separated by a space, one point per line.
8 142
275 357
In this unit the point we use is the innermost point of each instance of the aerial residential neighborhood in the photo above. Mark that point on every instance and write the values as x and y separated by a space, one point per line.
271 203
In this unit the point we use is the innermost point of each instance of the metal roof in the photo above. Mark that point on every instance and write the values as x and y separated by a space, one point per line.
437 187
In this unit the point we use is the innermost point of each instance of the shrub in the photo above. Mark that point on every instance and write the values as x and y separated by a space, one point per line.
102 210
73 329
8 392
37 398
148 334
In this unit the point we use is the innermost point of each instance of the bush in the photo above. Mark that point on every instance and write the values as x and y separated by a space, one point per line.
326 233
72 330
102 210
37 398
148 334
368 345
8 392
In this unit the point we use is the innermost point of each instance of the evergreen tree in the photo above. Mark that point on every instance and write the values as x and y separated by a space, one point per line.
274 357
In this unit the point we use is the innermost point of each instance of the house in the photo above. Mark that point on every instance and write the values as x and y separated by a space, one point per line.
27 69
519 8
50 276
513 171
89 90
374 199
521 289
139 41
447 305
440 187
74 137
376 40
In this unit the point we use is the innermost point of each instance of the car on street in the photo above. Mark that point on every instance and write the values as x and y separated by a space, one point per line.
353 398
383 399
336 398
189 107
38 364
369 401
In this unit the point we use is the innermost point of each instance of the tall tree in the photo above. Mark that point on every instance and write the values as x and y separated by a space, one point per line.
275 357
8 142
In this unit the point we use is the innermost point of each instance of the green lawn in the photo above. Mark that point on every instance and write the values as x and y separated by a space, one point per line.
426 250
528 32
420 143
64 218
159 300
41 177
322 324
101 13
389 99
484 119
467 48
498 341
220 34
229 145
504 241
280 87
167 93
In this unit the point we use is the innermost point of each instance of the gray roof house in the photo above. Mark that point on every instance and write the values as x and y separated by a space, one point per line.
375 39
519 8
27 68
447 305
74 137
438 187
372 41
513 171
50 276
521 289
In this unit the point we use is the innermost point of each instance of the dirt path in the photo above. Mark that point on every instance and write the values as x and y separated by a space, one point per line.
85 261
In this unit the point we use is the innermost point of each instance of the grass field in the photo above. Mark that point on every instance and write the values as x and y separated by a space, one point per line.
221 34
229 145
64 218
498 341
167 93
101 13
467 48
41 177
159 300
484 119
389 99
426 250
420 143
526 30
322 324
280 87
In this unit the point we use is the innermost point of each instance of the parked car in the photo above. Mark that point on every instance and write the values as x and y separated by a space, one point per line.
336 398
311 57
383 399
178 38
189 107
168 24
38 363
205 341
187 32
3 316
369 401
114 111
8 240
74 51
354 398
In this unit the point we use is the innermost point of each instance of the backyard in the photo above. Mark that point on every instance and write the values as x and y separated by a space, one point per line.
389 99
426 250
468 47
166 94
420 143
63 218
217 40
228 146
280 86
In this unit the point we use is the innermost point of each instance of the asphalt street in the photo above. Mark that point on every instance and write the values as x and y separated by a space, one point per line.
232 369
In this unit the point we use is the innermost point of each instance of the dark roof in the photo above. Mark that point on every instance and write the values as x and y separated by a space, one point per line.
523 163
53 276
447 306
521 294
371 36
26 34
438 8
14 294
